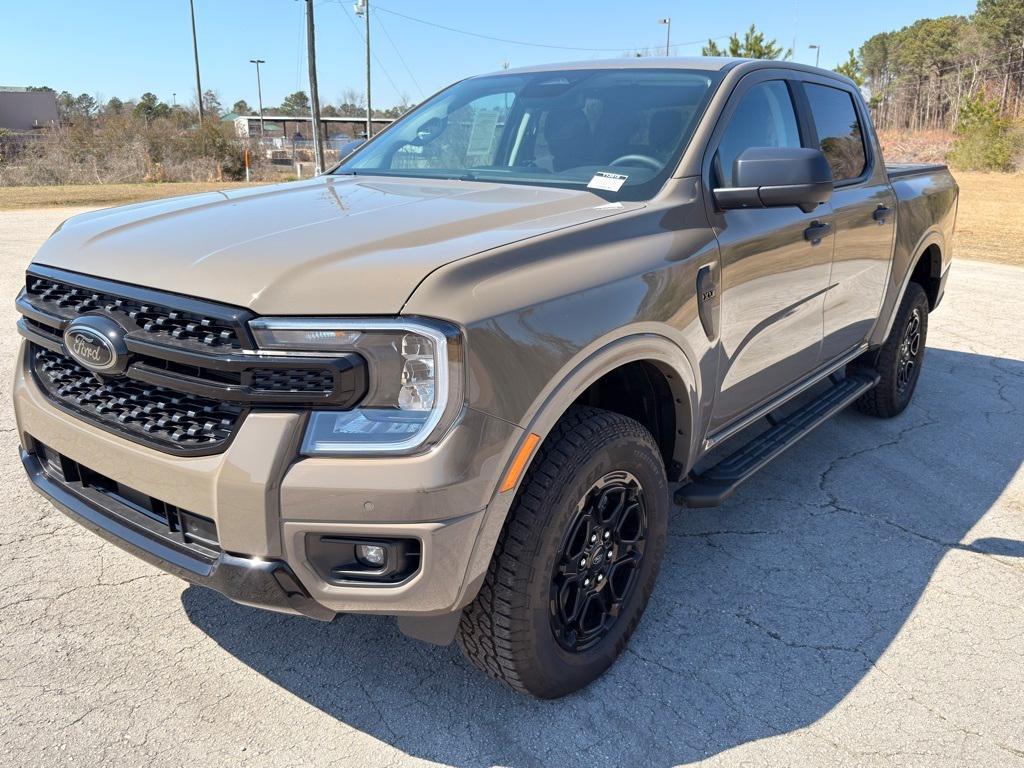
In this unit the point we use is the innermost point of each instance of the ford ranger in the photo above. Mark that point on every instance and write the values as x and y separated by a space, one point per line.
462 377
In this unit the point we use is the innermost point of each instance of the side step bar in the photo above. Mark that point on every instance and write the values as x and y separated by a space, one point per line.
716 484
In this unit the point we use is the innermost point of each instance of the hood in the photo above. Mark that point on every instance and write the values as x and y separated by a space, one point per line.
333 245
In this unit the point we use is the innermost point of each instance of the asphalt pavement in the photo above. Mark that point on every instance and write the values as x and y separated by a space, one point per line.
859 603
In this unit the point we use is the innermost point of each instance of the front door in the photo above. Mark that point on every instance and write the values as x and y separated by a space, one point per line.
774 279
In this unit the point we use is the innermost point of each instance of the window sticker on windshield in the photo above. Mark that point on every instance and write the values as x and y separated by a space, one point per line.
610 181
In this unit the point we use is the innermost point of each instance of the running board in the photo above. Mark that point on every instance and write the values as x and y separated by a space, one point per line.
716 484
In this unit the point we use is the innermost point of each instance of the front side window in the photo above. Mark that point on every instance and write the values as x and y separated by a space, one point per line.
839 131
765 117
627 128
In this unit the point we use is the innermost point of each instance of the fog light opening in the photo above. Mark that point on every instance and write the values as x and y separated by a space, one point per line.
371 555
343 559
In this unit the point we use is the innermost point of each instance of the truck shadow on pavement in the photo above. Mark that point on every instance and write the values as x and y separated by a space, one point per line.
768 612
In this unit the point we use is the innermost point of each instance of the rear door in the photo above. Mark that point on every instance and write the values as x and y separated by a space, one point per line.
865 213
773 280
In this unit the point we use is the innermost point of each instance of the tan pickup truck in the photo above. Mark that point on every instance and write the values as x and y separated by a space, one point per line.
462 377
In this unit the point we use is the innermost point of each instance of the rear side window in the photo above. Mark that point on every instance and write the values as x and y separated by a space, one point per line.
839 130
764 118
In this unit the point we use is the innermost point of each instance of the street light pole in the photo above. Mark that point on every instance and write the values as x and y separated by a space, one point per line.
668 34
817 53
314 92
259 93
362 8
195 54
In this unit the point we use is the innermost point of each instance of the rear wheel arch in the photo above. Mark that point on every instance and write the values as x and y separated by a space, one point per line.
925 269
927 272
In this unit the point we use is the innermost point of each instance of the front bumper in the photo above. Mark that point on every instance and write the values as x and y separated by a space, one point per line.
265 501
253 581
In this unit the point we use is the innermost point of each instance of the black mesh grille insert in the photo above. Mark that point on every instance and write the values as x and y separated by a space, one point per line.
164 324
291 380
147 413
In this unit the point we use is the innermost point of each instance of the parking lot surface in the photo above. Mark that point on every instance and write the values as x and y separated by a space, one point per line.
858 603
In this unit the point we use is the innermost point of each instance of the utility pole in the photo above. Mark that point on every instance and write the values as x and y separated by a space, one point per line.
195 54
362 8
668 35
259 93
314 93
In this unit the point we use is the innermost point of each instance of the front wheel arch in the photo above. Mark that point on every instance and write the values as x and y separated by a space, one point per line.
658 354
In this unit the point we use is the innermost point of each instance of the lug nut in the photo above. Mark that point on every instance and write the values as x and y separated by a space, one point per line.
593 538
586 582
607 534
583 562
600 578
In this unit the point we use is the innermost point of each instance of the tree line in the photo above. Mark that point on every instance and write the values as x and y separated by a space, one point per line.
932 73
73 109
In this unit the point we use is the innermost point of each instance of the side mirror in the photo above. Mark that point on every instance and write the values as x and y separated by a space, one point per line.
771 177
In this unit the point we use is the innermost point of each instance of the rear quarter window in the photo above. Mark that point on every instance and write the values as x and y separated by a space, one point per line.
839 130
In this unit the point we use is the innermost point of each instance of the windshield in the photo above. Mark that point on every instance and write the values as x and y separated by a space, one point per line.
618 133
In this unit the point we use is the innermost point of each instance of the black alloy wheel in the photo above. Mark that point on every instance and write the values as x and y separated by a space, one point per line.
910 352
598 561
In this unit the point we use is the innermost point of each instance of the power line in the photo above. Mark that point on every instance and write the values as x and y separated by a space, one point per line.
376 58
401 58
534 45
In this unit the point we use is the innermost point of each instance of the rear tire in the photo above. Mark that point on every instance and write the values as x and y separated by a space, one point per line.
592 510
900 358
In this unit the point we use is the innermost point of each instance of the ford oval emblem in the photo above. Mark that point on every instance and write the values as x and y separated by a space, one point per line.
97 343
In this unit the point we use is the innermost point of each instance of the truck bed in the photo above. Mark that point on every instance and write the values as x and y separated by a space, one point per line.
902 170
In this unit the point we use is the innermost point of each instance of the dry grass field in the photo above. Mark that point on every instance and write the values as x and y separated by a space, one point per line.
990 219
990 223
102 195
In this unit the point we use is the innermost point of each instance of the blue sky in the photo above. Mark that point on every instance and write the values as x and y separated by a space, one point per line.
126 47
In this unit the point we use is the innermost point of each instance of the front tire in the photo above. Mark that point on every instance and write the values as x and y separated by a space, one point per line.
900 358
577 559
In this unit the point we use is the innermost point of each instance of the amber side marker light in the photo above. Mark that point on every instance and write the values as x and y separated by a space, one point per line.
519 462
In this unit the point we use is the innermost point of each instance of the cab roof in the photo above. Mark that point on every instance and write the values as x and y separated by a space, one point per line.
700 63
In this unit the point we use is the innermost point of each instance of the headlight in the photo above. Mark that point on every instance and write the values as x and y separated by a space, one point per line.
414 372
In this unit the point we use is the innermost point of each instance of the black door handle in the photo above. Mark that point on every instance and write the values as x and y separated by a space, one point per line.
880 214
816 231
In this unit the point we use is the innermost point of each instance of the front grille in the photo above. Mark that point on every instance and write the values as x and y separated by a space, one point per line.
162 323
191 372
143 412
179 527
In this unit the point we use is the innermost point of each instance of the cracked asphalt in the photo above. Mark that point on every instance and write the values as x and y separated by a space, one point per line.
859 603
